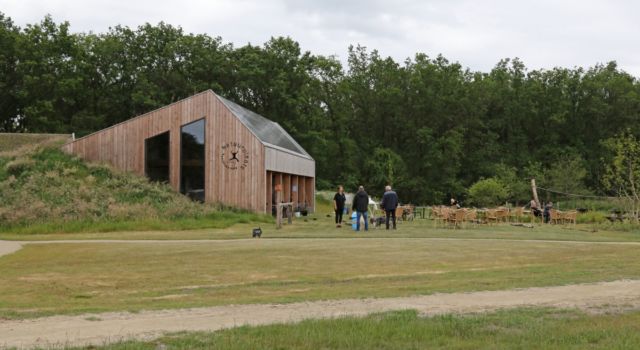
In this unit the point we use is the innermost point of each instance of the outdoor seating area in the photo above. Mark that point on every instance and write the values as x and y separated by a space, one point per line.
446 216
403 213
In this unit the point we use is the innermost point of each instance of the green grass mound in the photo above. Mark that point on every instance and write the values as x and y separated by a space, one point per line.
17 143
46 190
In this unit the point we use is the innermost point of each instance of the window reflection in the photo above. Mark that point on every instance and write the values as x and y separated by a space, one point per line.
156 156
192 160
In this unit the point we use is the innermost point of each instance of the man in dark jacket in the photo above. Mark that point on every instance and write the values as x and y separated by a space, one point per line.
389 204
361 207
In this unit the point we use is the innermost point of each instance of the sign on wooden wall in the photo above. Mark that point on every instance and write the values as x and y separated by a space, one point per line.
234 155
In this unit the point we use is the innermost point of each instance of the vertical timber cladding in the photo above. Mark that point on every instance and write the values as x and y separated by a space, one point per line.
237 161
240 170
122 145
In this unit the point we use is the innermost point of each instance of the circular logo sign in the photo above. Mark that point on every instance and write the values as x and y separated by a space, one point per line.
234 156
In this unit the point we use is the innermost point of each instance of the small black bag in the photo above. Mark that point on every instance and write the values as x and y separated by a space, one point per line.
257 232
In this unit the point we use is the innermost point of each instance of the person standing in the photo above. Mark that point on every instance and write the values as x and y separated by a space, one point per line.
389 204
361 207
534 208
547 212
338 205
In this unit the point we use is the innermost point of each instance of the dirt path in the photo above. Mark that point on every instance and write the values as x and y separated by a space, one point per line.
8 247
220 241
99 329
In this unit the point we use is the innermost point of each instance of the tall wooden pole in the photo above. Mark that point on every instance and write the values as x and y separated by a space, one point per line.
535 192
278 206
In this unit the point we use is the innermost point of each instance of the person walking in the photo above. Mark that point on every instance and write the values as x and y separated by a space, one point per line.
389 204
338 205
361 207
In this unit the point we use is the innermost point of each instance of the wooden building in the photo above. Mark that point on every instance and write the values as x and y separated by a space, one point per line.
210 149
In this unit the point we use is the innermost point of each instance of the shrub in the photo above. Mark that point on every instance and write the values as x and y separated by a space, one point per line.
591 217
487 192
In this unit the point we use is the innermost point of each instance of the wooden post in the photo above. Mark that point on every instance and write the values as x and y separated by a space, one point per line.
535 192
289 208
278 206
278 216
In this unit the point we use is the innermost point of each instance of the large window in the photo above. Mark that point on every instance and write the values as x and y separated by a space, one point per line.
156 157
192 160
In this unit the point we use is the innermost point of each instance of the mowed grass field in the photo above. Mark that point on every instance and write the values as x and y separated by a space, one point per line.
311 261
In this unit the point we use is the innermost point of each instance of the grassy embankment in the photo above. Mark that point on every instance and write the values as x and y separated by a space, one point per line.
44 190
529 328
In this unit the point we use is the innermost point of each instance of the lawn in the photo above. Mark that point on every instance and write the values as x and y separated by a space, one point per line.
321 226
71 278
513 329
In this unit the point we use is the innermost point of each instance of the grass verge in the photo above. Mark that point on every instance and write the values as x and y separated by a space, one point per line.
213 220
529 328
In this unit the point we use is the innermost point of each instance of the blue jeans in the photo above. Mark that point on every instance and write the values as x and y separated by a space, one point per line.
366 220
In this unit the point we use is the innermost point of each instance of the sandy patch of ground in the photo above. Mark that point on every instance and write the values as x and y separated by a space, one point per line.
8 247
99 329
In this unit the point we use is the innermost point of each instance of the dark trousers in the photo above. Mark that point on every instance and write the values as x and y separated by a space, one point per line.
339 212
547 216
391 213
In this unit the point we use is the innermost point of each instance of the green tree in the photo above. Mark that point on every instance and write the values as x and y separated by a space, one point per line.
622 175
518 188
487 192
51 89
9 104
567 174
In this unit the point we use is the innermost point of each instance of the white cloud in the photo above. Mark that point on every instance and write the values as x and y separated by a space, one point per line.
542 33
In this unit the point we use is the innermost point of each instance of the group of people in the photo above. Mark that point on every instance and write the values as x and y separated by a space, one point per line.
361 206
546 213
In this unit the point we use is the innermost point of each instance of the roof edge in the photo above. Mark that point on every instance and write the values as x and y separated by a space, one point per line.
304 152
141 115
278 148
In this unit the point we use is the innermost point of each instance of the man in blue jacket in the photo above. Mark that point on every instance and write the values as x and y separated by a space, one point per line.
361 206
389 204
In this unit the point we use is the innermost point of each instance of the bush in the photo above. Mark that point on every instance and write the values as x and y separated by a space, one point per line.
487 192
591 217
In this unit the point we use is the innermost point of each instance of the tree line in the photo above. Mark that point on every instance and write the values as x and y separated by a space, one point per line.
428 126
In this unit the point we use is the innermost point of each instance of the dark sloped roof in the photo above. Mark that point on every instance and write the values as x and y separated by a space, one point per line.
266 131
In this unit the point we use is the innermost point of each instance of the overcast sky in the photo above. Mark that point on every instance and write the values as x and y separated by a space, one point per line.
542 33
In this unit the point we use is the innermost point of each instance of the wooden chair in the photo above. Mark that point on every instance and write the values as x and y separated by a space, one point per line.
456 217
502 214
555 216
471 216
570 217
399 213
516 214
491 215
441 214
408 213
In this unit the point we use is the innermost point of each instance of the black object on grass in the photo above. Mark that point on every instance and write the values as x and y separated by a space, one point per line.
257 232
